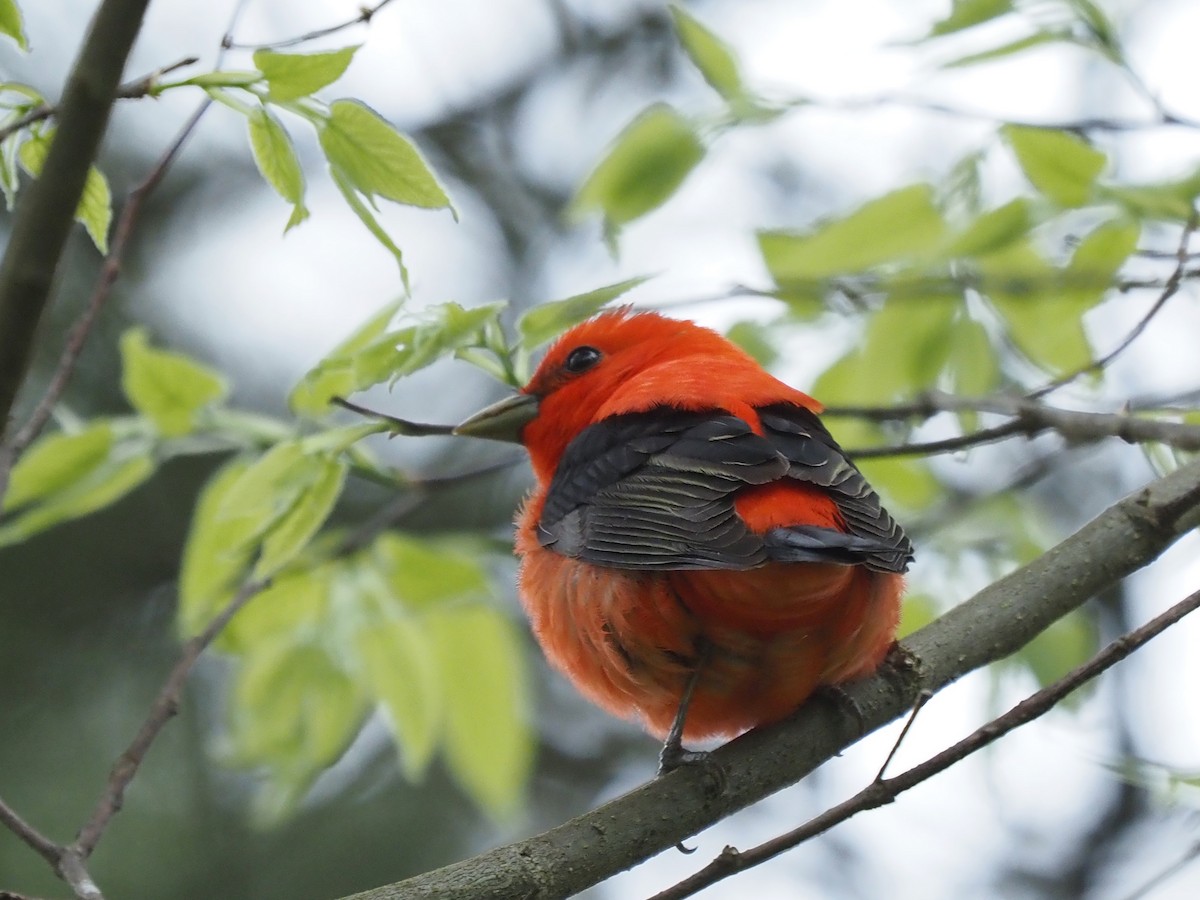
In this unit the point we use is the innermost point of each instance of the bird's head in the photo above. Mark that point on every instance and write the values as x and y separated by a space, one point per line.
619 353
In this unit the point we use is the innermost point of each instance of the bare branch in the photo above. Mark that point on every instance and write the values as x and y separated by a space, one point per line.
883 791
46 848
363 18
46 209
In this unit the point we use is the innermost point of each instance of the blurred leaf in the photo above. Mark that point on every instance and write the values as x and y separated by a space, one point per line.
11 23
294 603
1096 261
972 364
376 159
711 55
295 711
167 388
992 230
94 211
276 160
968 13
294 75
547 321
126 467
57 461
1060 165
756 339
902 225
1009 48
917 611
402 674
292 532
214 556
422 576
225 78
335 375
266 491
1100 29
1066 644
647 164
488 744
1169 200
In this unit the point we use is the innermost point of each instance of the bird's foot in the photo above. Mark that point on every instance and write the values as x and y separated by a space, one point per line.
673 756
844 703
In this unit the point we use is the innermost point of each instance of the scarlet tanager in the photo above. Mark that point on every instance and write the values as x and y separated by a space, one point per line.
698 552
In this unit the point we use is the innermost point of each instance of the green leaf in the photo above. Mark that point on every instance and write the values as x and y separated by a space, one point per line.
1094 264
992 230
1060 165
1101 32
265 491
376 159
647 164
360 209
711 55
292 532
276 160
215 557
168 388
488 745
335 375
11 23
972 364
294 75
1010 48
105 484
756 338
969 13
1025 289
295 603
56 462
94 211
902 225
224 78
421 575
546 321
402 674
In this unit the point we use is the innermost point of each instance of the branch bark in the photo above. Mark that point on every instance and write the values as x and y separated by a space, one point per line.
997 621
46 209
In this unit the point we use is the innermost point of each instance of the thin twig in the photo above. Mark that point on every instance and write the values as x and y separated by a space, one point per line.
880 793
363 18
166 705
45 847
130 90
109 272
1170 289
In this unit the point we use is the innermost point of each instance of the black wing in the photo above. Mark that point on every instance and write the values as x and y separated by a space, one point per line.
655 490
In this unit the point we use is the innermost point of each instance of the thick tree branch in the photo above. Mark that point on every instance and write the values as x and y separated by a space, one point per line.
996 622
883 791
46 208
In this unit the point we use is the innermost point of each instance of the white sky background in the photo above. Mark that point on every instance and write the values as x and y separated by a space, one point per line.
232 291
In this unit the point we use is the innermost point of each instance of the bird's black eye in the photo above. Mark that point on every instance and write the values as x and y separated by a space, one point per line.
581 359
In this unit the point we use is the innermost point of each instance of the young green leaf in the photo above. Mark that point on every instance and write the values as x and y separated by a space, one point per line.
992 230
647 164
1060 165
546 321
969 13
346 186
57 461
421 575
376 159
125 469
291 76
708 53
265 491
94 211
11 23
168 388
276 160
900 226
1010 48
292 532
214 556
402 674
487 740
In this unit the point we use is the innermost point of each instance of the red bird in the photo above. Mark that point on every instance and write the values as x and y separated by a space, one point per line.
698 551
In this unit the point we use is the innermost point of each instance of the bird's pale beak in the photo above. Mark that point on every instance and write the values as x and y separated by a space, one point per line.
501 421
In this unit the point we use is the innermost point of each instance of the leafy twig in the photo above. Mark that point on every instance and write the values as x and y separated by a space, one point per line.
883 791
130 90
11 451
